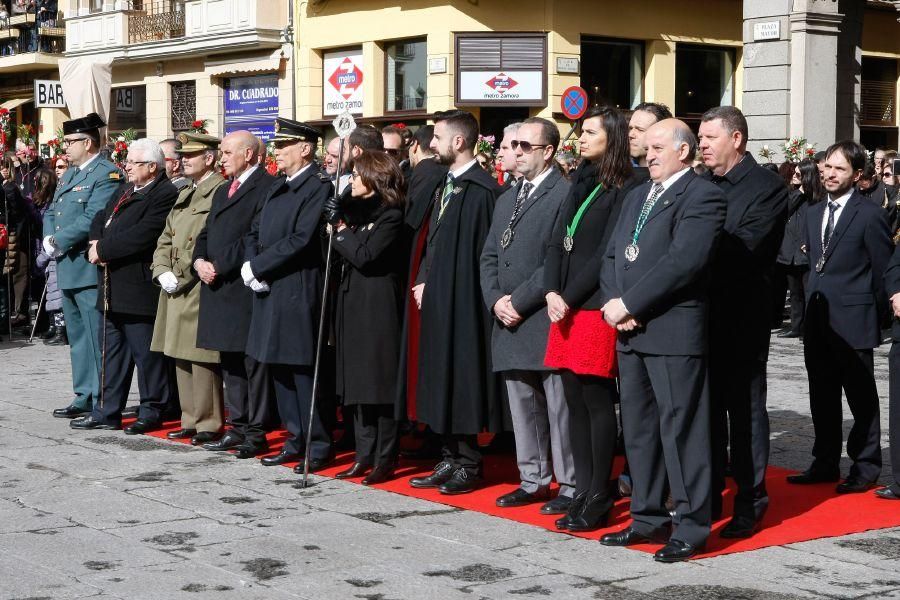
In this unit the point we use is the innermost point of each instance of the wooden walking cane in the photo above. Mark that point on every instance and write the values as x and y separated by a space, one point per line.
343 124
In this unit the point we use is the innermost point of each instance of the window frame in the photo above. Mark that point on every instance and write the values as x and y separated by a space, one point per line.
641 45
538 103
387 98
730 54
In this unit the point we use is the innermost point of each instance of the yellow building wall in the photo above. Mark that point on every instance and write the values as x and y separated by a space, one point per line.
659 23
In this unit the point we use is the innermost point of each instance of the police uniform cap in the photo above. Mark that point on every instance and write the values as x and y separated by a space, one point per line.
87 124
287 130
196 142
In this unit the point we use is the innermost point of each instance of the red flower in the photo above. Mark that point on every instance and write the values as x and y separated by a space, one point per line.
197 123
399 125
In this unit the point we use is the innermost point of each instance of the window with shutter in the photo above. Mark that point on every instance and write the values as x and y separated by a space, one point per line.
501 69
184 105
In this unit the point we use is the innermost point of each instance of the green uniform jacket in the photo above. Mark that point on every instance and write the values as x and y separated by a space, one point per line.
80 195
175 330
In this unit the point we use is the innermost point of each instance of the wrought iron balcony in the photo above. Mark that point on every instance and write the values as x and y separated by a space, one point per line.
156 20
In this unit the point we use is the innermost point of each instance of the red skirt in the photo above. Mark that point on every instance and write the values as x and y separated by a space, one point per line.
584 344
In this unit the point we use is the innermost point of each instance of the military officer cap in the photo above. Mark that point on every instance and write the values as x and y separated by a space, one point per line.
197 142
88 124
287 130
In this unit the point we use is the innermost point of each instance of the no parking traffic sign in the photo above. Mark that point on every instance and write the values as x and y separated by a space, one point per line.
574 102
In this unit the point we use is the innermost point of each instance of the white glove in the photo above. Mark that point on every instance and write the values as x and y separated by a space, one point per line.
51 248
168 281
259 286
247 273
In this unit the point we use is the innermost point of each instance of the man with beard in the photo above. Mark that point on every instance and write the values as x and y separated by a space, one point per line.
457 394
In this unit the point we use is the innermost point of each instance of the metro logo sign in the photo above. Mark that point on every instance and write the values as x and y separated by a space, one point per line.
346 79
501 83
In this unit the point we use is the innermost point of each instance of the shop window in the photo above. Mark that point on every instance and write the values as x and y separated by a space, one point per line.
406 75
704 78
612 72
878 92
184 105
129 110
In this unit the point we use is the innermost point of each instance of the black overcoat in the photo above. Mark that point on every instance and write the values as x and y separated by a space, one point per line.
127 245
457 391
792 252
284 251
369 302
221 242
742 271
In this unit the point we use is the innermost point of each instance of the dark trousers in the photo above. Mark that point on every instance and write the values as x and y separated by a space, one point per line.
593 431
461 451
376 433
797 277
832 366
665 415
894 417
739 421
248 397
128 346
293 393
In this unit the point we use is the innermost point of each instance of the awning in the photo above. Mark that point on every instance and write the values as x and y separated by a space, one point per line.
260 64
15 103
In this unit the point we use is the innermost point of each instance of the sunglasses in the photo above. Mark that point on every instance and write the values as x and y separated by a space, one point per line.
393 151
527 147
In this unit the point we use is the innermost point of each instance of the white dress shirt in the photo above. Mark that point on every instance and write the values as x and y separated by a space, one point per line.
842 202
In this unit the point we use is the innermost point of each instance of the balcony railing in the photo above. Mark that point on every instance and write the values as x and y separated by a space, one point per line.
27 33
158 20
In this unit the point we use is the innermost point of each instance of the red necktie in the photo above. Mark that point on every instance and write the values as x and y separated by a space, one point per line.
235 184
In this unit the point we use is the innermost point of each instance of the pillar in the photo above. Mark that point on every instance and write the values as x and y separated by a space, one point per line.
659 83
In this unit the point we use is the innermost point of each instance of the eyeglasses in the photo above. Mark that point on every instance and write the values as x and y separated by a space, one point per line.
354 175
131 163
527 147
68 142
393 151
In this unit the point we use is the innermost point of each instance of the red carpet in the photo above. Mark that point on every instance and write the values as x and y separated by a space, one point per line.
796 513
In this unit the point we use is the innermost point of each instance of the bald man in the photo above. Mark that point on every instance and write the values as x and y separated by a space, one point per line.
225 303
655 283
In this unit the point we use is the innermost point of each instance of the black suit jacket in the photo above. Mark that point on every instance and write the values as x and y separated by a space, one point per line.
851 284
127 245
892 286
221 241
742 271
667 287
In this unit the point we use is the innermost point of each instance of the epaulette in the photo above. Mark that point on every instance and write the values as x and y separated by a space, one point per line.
115 175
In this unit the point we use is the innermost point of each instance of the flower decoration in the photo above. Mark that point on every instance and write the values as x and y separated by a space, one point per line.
199 126
399 125
55 144
4 129
568 150
271 167
485 144
119 152
25 134
767 153
797 148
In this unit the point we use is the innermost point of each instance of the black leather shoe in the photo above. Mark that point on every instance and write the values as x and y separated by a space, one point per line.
624 486
442 473
228 442
594 515
357 469
675 551
204 437
70 412
315 464
51 331
180 434
380 474
462 482
558 506
58 339
630 537
279 459
812 476
852 485
519 497
574 510
88 422
142 426
245 451
740 527
887 493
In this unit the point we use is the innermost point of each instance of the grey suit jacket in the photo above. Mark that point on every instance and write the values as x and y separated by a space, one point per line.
518 270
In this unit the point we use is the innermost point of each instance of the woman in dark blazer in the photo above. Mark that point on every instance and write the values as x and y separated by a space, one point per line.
368 238
580 343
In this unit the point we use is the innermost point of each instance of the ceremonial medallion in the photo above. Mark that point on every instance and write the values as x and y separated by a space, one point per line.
631 252
506 238
568 243
820 264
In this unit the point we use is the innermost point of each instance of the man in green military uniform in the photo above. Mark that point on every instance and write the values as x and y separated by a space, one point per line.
86 187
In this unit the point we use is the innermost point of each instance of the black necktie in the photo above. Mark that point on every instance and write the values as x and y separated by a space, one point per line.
829 226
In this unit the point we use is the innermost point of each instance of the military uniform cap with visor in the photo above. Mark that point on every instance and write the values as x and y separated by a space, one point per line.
197 142
288 131
87 124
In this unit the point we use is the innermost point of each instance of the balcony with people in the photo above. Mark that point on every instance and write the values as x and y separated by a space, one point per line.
30 29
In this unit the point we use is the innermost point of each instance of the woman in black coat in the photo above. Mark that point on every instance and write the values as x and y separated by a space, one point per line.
369 240
581 345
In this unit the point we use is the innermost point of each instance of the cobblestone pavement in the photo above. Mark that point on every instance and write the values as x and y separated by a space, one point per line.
101 515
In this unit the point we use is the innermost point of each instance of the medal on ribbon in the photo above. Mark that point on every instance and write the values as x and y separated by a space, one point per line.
571 228
506 238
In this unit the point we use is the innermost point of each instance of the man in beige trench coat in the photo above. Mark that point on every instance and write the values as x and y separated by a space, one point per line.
175 332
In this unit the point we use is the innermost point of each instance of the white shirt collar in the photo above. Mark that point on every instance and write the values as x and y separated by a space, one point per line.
246 174
84 165
842 200
539 179
673 178
460 171
298 173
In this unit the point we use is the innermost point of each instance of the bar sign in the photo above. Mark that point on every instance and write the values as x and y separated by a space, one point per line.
48 94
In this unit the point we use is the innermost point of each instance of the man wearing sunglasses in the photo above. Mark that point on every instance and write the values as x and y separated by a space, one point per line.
85 188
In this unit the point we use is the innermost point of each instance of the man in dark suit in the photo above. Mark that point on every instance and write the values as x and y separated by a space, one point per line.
122 241
283 267
645 115
892 287
512 272
507 157
740 295
656 277
218 257
849 248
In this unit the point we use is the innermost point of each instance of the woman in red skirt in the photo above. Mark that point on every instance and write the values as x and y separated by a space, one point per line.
580 343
